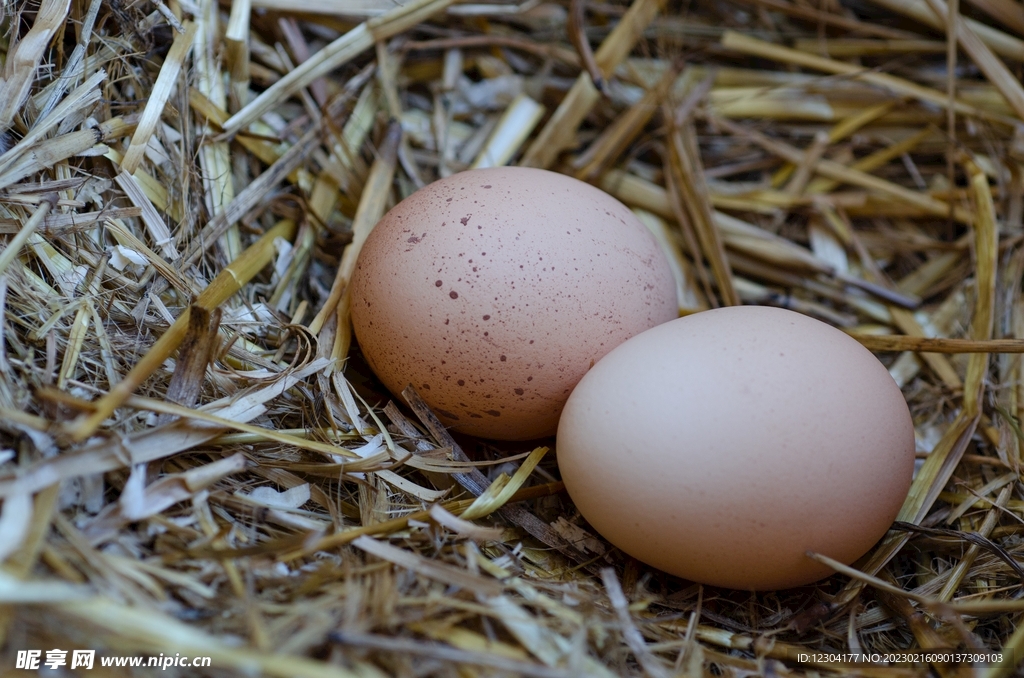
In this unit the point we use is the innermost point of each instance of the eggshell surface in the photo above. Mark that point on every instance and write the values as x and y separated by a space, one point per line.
723 446
493 291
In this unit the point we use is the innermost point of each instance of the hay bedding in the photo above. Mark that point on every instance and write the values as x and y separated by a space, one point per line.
195 460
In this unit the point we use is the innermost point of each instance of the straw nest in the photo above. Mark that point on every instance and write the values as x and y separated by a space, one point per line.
195 461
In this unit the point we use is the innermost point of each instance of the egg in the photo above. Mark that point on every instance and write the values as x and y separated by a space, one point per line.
723 446
493 291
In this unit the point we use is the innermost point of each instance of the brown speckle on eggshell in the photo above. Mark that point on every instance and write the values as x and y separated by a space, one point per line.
519 279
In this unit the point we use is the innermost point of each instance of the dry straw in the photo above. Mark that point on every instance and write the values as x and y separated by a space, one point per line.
195 459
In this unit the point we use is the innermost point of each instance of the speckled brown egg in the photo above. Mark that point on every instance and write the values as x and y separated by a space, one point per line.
493 291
